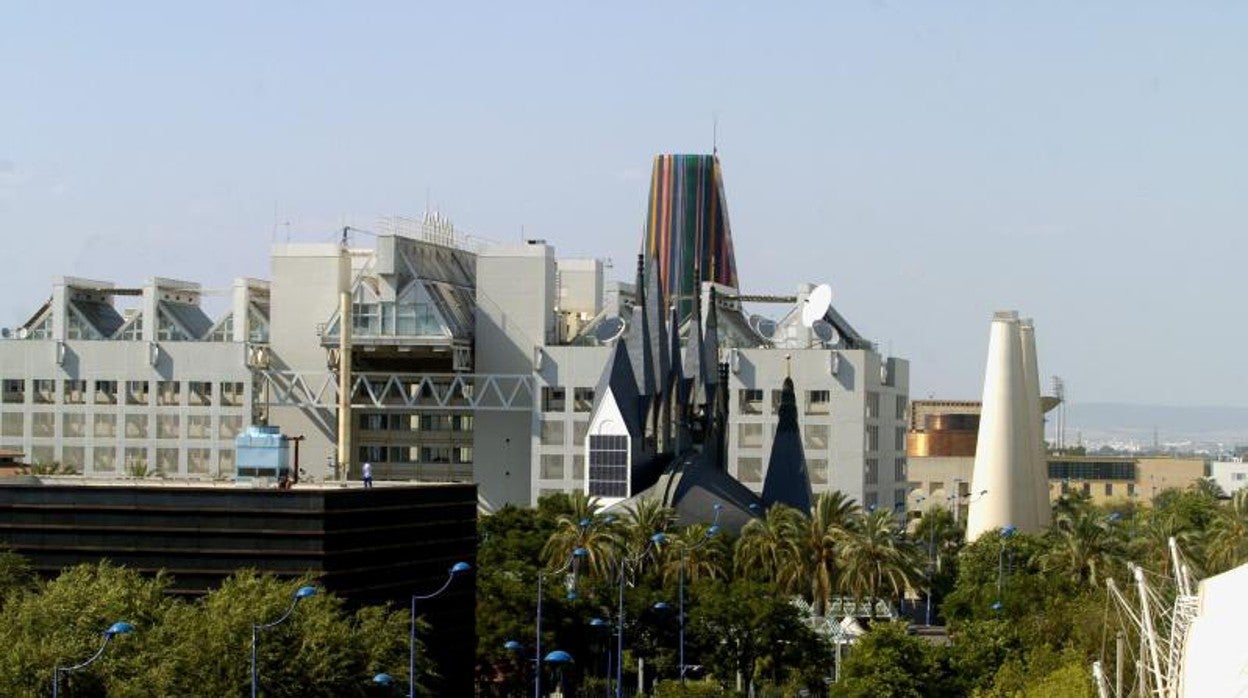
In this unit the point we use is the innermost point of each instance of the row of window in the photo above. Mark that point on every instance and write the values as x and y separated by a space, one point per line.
132 426
555 399
608 465
136 461
44 391
416 422
415 454
750 401
1108 488
553 431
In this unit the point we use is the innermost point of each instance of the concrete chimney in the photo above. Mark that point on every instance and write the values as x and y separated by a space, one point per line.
1035 418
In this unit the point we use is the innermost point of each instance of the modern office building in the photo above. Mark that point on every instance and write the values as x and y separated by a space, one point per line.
467 360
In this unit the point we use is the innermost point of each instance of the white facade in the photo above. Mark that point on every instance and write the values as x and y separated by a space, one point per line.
1230 475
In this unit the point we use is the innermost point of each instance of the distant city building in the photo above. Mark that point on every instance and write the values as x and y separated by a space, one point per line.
1230 475
467 361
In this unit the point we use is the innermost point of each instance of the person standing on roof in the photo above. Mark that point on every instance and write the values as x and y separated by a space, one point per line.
368 475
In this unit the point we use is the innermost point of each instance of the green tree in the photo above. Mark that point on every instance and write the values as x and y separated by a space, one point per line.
819 540
1228 535
768 549
888 663
1086 546
877 560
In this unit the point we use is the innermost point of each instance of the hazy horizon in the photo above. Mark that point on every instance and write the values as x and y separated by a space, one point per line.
1081 164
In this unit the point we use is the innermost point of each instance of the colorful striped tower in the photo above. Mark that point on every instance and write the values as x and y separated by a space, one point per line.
687 231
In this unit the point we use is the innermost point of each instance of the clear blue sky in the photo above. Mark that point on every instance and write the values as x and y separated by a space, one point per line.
1084 163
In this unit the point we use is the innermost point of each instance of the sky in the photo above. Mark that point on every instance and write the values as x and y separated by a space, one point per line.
1081 162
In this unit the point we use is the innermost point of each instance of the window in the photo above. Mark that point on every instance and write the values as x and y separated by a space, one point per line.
43 424
373 454
873 438
75 392
580 429
871 471
105 425
776 396
104 459
750 469
167 426
225 461
902 402
44 391
608 465
818 401
14 391
435 454
168 393
934 487
552 432
167 460
554 398
899 470
552 467
1130 489
818 469
899 499
199 426
871 500
44 455
136 426
1087 489
582 399
73 425
197 460
749 435
899 438
199 394
136 461
229 427
462 454
815 436
1109 489
750 401
12 424
232 394
106 392
136 392
72 457
578 466
873 405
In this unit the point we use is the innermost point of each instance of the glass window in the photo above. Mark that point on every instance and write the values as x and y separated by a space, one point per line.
750 469
815 436
818 401
225 461
552 467
902 403
72 457
899 469
899 438
873 405
873 438
167 426
73 425
197 460
105 425
229 427
871 500
553 398
106 392
552 432
136 461
12 424
75 392
750 401
43 455
168 393
104 459
578 466
199 426
582 399
818 469
43 424
749 435
232 394
14 391
580 429
871 471
608 465
44 391
1109 489
136 392
199 393
167 460
136 426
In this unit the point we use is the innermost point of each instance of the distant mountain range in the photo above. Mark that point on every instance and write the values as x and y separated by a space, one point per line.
1121 424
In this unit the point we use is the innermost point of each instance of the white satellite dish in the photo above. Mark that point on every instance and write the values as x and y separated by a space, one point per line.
817 304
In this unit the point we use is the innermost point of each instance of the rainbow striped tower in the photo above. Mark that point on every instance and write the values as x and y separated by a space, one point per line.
687 231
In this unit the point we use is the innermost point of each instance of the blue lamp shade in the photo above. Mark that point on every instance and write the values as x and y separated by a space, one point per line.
584 523
572 595
1008 530
512 646
717 506
580 552
659 537
754 506
662 606
996 606
558 657
119 628
1114 517
710 532
597 622
460 568
383 679
610 519
305 592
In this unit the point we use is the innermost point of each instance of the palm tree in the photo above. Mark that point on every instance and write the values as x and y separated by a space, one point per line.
937 532
641 521
769 548
703 556
876 558
819 538
1085 545
1228 535
584 528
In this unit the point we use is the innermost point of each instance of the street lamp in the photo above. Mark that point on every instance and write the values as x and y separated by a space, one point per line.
303 593
118 628
456 569
655 541
556 657
1006 533
599 623
577 554
684 560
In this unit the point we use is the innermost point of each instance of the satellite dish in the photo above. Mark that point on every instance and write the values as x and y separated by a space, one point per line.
5 332
763 327
609 330
825 332
817 304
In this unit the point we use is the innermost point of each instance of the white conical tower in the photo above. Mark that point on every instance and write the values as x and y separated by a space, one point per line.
1035 418
1003 479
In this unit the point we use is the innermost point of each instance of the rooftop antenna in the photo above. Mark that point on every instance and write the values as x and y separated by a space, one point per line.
715 134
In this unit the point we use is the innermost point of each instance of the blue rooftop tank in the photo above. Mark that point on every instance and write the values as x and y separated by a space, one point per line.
261 451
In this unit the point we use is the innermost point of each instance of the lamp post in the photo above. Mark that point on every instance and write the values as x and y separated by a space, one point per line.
556 657
1006 533
656 540
303 593
684 561
456 569
606 647
118 628
577 554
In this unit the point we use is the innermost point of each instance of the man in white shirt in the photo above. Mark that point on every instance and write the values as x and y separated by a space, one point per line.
368 475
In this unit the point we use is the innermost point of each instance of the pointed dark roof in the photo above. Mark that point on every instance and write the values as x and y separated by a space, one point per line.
694 370
656 328
788 481
674 374
638 340
710 347
693 485
619 378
